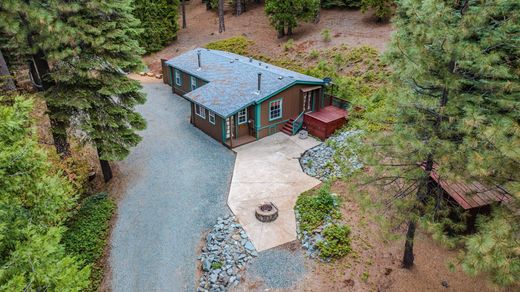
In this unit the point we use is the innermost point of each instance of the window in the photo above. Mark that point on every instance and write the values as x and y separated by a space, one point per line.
200 111
275 109
211 117
242 116
193 83
178 79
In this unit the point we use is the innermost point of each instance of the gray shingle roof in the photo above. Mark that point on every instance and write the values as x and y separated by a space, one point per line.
232 79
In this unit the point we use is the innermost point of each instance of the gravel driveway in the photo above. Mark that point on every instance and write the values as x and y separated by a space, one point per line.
175 186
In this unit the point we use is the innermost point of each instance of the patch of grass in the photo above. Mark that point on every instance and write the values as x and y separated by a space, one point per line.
216 265
336 242
288 45
314 54
238 45
325 34
315 206
364 276
88 233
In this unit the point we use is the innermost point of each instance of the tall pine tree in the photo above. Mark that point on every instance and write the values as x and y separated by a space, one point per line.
456 103
33 29
284 15
95 80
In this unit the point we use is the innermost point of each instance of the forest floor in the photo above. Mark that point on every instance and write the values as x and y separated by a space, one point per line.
350 27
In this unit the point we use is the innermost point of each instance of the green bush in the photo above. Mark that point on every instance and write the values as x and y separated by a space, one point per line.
289 45
158 21
336 242
325 34
88 231
313 208
238 45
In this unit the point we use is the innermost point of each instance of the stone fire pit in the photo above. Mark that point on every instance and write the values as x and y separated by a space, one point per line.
266 212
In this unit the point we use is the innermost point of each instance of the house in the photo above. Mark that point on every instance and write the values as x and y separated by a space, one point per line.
236 99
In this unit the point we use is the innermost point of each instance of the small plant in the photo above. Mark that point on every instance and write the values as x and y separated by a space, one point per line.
336 242
364 276
325 34
216 265
314 54
289 45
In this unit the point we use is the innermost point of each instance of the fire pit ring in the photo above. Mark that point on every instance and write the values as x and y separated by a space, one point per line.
266 212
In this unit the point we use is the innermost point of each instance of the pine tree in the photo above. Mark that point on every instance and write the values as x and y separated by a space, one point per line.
34 203
382 8
33 29
221 25
159 22
456 103
94 81
284 15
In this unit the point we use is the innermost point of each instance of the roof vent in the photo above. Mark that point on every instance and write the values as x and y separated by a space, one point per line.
250 60
280 77
259 81
198 60
259 64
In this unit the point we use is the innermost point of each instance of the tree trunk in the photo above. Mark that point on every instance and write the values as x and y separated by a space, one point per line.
239 7
6 80
105 168
183 8
408 246
281 30
289 30
221 26
318 15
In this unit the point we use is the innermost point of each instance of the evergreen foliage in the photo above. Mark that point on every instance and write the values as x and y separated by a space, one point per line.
34 203
87 234
159 22
340 3
92 85
382 8
285 14
456 103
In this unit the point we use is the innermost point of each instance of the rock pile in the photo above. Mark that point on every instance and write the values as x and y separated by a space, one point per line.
225 255
323 161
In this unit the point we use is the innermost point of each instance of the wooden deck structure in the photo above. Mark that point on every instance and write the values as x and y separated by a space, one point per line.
470 195
325 122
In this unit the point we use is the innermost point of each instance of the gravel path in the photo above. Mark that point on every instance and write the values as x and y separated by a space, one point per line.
278 268
175 186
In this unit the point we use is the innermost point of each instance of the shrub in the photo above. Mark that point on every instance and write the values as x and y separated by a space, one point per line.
88 231
238 45
314 208
340 3
289 45
325 34
336 242
314 54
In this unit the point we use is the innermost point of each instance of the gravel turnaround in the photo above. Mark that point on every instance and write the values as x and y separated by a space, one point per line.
175 186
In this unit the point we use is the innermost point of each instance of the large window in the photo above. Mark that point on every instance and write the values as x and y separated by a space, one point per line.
242 116
200 111
193 83
178 78
275 109
211 117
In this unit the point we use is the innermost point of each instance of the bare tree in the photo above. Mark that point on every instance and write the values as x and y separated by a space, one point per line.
6 80
221 26
239 7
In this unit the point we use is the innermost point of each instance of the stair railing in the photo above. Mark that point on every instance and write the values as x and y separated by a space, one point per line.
297 123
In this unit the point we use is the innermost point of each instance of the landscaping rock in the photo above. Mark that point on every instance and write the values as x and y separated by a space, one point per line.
322 162
225 254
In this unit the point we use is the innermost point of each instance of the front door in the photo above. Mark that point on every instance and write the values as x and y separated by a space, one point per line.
308 100
229 122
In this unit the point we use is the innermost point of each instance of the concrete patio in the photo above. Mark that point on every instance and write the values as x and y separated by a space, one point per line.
268 171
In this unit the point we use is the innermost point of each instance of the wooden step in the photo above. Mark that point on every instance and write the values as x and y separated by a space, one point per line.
288 132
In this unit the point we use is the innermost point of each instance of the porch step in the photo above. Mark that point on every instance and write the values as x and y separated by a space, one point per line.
288 127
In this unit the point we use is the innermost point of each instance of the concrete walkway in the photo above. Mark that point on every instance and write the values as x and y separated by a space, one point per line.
268 171
175 184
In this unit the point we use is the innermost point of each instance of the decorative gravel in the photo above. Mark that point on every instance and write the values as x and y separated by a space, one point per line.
225 255
278 268
324 161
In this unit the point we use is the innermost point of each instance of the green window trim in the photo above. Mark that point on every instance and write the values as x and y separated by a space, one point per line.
281 109
178 77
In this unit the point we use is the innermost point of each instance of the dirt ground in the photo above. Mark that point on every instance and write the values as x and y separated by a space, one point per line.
349 27
375 265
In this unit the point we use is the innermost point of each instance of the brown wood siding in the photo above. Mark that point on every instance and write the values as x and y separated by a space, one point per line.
246 128
215 131
292 106
186 83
